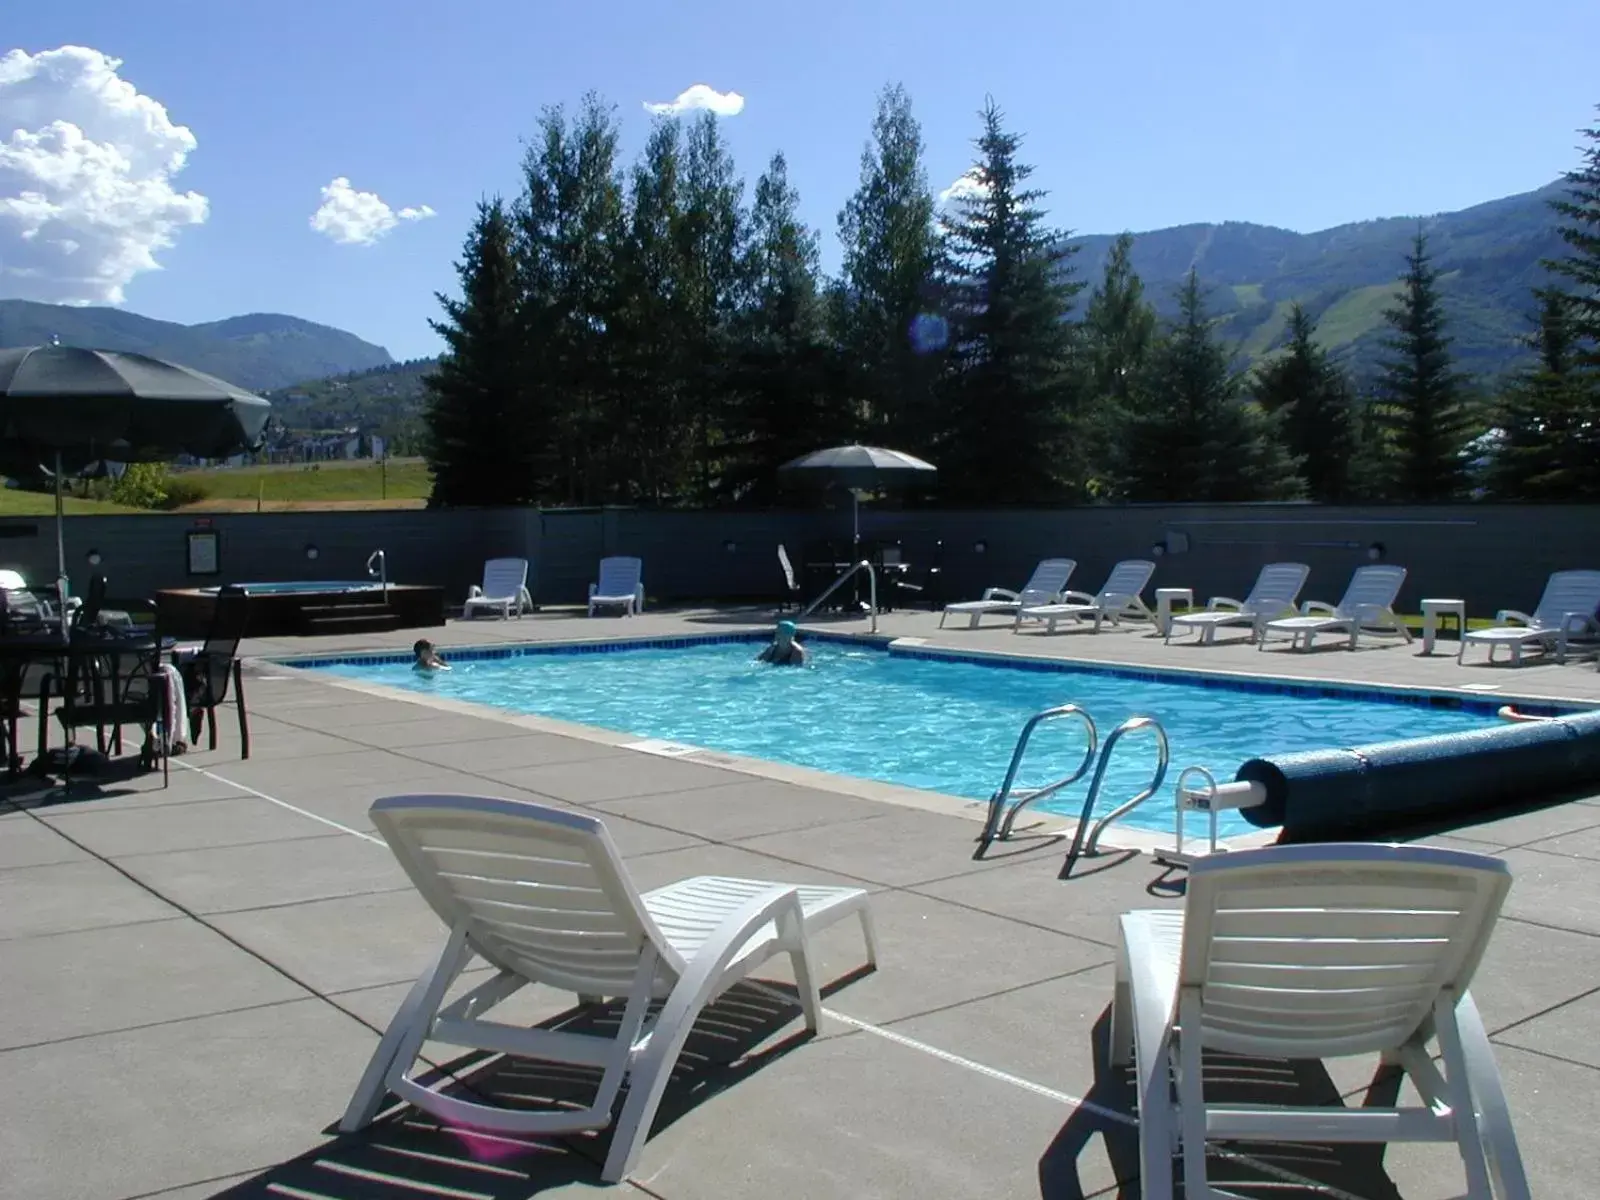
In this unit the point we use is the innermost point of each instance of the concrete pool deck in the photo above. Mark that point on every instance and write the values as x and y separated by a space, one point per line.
193 978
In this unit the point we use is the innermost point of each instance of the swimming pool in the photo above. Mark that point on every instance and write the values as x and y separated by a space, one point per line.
930 722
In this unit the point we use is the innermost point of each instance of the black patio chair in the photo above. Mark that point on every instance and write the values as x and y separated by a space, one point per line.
209 674
108 689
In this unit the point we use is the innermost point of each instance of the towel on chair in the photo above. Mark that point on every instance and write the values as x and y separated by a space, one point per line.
175 720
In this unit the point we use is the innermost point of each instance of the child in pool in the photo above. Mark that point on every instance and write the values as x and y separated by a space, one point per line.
427 659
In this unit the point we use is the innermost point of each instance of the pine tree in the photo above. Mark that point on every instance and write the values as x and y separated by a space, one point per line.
1581 266
786 398
1119 329
1190 435
881 310
653 457
1009 398
708 235
480 413
1312 399
1420 400
1550 439
571 222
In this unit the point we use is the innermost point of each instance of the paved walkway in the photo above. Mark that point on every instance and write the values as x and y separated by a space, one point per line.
193 977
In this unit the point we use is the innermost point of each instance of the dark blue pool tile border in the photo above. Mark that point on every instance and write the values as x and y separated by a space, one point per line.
1487 706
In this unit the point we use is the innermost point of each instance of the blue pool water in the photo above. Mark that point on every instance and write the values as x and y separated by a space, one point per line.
301 586
943 725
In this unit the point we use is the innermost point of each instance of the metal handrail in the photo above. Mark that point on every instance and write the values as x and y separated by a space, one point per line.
872 585
380 572
996 827
1080 844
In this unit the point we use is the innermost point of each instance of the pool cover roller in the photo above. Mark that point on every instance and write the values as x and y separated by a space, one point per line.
1318 795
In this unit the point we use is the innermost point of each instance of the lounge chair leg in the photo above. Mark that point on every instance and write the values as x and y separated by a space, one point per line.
869 934
1460 1097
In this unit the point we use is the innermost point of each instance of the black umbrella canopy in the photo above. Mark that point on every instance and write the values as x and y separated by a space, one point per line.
861 466
89 404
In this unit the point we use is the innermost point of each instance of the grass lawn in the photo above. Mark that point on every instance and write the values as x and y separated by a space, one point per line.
303 485
15 503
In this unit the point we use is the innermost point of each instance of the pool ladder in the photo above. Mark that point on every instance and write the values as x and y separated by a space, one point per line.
1008 802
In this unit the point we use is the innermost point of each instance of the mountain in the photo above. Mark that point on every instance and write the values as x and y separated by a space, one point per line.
1488 258
382 400
260 351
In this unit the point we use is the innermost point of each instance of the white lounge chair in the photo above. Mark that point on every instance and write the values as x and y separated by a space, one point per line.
1276 589
1119 599
1048 581
542 895
1368 604
619 586
1310 952
1566 611
505 587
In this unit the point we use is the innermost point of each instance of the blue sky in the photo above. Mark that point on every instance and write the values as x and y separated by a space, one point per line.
1137 116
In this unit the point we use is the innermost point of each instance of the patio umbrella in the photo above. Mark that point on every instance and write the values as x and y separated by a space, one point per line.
68 406
857 467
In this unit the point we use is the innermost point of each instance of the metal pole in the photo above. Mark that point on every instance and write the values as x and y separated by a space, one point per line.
61 556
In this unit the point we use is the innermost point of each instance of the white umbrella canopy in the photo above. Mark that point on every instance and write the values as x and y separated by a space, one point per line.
857 467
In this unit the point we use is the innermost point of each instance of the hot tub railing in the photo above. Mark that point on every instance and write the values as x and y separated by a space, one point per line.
378 568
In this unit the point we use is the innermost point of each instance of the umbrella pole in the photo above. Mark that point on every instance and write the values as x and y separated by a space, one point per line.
61 555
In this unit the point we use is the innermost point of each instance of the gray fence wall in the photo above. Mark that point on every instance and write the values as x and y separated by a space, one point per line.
1491 556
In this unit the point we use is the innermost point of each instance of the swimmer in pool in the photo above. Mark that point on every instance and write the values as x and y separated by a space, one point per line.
427 658
784 650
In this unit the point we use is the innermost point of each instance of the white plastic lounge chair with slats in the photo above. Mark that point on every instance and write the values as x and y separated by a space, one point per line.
1566 613
1121 598
1048 582
620 586
1311 952
1276 590
1368 604
542 895
505 588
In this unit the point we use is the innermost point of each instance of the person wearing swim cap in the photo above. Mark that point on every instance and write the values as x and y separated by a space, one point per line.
784 650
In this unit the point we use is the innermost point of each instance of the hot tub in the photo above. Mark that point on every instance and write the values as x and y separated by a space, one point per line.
304 607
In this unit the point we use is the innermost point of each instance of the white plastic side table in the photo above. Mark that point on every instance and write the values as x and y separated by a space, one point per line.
1435 609
1164 601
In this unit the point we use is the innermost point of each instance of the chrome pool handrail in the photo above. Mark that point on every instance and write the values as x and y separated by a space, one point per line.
872 586
997 825
1082 844
380 571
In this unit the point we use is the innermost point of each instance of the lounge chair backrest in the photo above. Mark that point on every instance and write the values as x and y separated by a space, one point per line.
540 891
1567 592
1326 950
504 578
619 576
1277 587
788 568
1048 581
1372 587
1129 577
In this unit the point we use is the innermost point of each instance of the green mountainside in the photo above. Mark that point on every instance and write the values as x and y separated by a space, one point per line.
259 351
1488 257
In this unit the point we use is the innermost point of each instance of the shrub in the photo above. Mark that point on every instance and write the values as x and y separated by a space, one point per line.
142 485
183 492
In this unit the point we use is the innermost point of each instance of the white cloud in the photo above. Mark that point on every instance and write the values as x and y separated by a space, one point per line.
969 186
354 218
724 104
86 171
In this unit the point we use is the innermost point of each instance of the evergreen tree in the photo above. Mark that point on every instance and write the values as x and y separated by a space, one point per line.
480 413
708 235
1009 397
1312 399
1190 435
1581 266
653 460
1421 408
1119 329
571 223
881 310
786 395
1550 439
